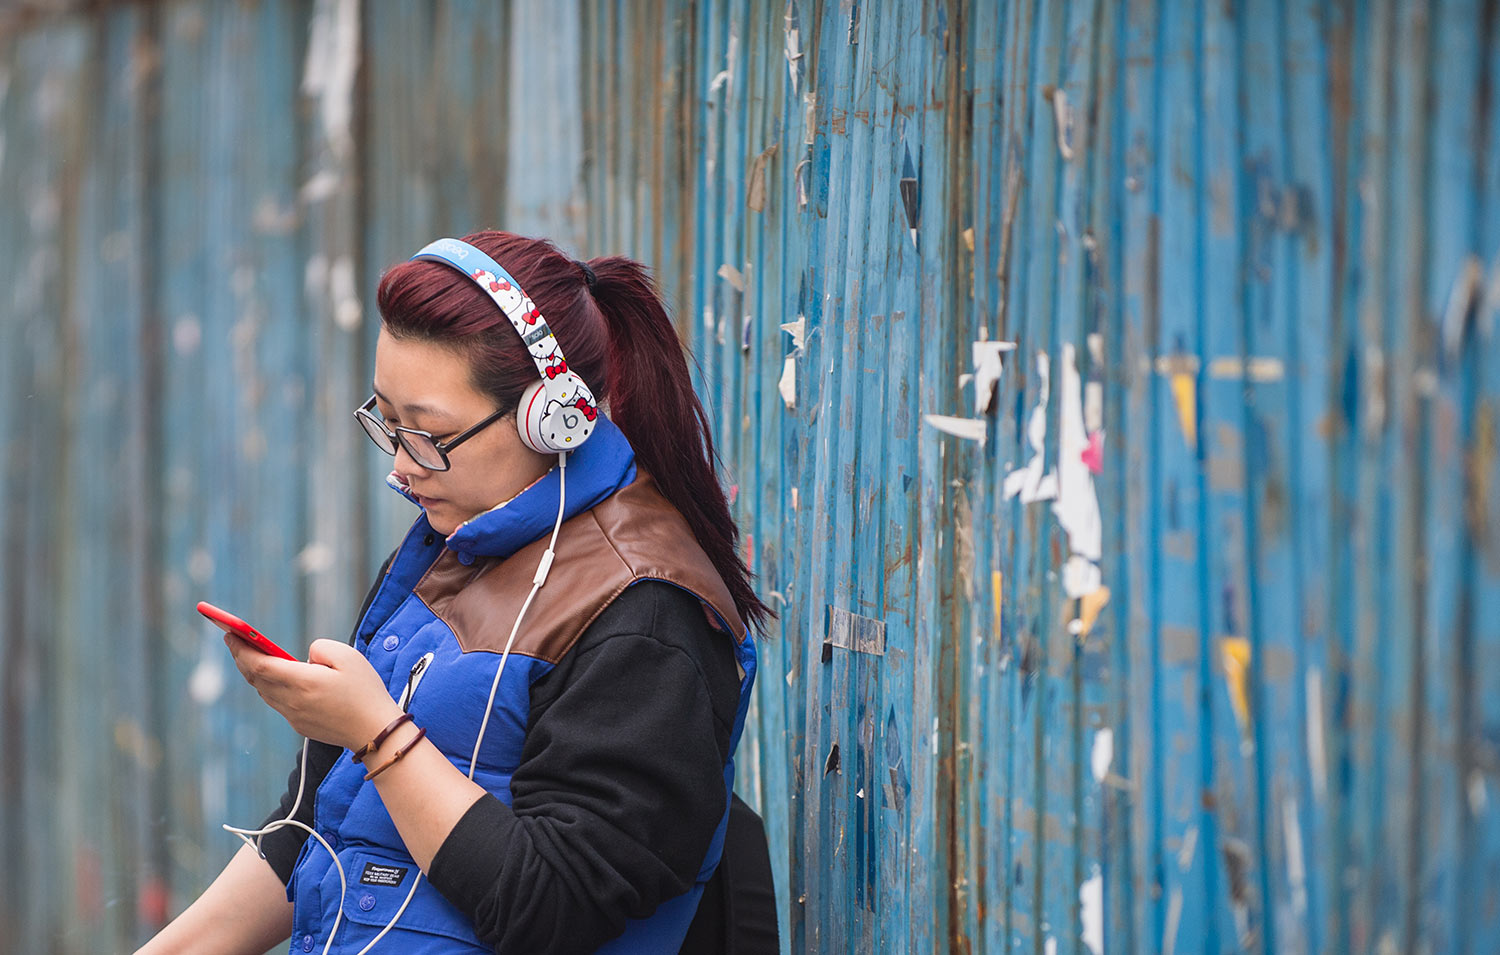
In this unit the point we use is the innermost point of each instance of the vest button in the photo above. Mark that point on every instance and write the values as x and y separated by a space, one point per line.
367 901
427 541
391 642
307 943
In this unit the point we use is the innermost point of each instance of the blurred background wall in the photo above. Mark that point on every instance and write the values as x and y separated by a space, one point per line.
1107 392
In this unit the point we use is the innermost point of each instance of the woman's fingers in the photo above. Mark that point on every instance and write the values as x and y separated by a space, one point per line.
335 697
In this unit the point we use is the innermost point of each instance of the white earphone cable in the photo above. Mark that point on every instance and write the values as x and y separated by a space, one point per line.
539 578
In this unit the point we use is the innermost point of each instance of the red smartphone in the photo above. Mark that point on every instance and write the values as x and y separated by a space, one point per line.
229 623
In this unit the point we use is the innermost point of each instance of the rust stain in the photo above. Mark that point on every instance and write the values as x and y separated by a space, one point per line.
904 558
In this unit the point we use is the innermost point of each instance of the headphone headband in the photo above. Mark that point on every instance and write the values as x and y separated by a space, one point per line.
562 415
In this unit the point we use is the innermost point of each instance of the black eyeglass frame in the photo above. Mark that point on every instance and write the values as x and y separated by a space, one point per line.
365 414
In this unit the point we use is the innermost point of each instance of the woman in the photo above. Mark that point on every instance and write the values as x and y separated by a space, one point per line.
528 744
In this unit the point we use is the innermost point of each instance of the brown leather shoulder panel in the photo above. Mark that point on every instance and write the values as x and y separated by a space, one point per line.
634 535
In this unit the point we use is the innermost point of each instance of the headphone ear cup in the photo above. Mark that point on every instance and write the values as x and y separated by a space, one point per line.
530 414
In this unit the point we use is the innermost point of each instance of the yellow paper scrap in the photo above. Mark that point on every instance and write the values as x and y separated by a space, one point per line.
997 591
1185 393
1089 606
1236 658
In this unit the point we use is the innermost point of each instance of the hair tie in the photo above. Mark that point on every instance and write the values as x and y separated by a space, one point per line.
589 278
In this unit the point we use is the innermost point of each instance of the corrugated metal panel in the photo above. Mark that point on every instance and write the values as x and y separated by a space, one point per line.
1218 675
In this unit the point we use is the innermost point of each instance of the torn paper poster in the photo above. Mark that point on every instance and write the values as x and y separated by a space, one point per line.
1062 115
797 329
1235 653
1256 368
1091 911
331 68
1102 754
1080 577
733 276
788 383
987 369
851 631
1089 605
793 43
997 595
1077 504
971 429
1093 455
1093 406
1031 481
1185 394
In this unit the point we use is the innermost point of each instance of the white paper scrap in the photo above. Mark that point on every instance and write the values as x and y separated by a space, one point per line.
1031 481
1103 753
1091 910
797 329
971 429
987 370
1080 577
1077 504
788 383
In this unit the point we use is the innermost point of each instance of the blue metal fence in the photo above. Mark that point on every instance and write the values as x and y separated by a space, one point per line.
1107 393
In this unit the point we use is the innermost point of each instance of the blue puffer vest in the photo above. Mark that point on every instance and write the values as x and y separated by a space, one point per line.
456 599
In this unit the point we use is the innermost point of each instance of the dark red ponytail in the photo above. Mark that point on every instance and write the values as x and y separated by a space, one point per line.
653 402
617 335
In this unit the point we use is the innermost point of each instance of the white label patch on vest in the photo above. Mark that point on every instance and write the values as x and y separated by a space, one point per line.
377 874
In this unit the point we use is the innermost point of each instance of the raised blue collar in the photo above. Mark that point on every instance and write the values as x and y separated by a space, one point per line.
604 464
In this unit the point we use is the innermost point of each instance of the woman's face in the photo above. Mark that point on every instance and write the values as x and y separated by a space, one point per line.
425 385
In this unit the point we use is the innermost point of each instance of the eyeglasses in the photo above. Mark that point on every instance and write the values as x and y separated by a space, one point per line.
421 445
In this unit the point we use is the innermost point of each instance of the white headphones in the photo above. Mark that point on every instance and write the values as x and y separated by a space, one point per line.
557 412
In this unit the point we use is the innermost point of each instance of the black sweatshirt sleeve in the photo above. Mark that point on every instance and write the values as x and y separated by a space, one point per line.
620 785
282 846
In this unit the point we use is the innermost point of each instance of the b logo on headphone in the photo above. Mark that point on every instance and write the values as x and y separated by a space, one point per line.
556 412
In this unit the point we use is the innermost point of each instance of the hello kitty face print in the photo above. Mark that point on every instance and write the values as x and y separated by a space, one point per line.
558 412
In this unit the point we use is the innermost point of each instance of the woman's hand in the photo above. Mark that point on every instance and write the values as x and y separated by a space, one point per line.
336 697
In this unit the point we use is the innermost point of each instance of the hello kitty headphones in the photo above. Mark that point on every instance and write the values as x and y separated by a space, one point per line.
557 412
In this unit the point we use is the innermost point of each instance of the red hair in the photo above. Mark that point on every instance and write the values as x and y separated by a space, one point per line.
618 337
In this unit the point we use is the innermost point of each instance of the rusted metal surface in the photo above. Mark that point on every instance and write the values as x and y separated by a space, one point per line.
1108 395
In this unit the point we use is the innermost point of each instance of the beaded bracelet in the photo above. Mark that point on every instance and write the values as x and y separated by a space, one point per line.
374 744
396 756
